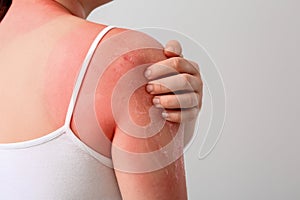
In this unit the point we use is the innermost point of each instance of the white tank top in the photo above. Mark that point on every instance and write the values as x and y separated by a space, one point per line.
58 166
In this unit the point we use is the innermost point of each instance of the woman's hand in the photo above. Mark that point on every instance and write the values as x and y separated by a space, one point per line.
176 84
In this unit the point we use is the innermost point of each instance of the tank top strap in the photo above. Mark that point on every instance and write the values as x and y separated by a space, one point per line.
82 73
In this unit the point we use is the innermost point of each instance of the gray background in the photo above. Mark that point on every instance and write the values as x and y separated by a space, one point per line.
255 44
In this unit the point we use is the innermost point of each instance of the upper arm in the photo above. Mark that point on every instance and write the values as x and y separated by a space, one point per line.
121 51
146 149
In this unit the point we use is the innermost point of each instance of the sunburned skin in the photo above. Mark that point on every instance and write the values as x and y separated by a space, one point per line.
60 59
44 56
63 65
95 123
57 75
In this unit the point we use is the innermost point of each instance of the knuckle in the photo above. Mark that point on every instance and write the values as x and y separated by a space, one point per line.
194 64
177 61
193 99
198 75
177 116
201 86
199 98
186 81
200 81
199 101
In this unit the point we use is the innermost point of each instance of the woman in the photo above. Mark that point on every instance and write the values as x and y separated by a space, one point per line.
52 44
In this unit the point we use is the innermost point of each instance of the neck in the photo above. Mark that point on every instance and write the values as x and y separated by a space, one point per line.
75 7
80 8
4 6
33 13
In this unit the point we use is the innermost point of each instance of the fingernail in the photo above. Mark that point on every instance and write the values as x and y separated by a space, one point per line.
165 115
156 100
170 49
149 88
174 47
147 73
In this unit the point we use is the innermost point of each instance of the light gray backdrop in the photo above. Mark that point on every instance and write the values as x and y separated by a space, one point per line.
255 44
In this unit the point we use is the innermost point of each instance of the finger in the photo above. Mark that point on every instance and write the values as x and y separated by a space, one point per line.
196 66
176 83
180 116
173 49
185 100
170 67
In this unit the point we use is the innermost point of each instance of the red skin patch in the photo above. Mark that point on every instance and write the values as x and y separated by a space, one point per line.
63 67
109 80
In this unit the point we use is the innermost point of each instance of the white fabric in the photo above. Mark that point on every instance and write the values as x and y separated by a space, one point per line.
58 165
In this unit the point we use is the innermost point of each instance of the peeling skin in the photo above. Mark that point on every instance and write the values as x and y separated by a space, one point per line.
139 105
138 111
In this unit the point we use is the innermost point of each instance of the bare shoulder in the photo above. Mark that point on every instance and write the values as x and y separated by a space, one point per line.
118 54
123 57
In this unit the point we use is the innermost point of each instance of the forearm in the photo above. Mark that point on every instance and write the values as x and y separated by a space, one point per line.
161 181
166 183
